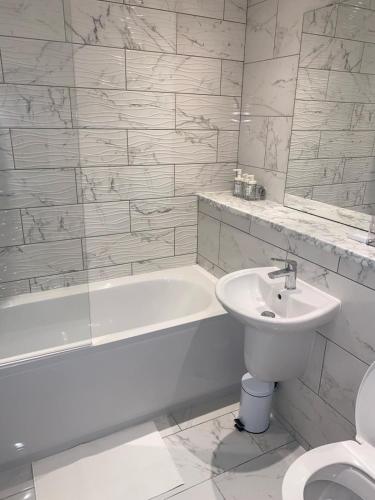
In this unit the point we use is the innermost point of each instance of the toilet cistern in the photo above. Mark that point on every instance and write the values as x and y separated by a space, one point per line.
289 271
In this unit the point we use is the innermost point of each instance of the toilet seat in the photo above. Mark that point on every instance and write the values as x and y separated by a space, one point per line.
315 464
348 465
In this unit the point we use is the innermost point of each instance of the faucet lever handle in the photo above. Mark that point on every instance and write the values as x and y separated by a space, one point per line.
289 263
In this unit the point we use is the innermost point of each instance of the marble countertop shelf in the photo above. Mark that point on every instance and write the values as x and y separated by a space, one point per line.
322 241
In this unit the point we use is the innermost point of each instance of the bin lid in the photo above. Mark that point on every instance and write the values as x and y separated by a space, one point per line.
256 387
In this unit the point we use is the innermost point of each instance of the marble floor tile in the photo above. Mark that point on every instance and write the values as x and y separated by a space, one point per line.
208 449
262 477
203 491
206 410
275 437
16 481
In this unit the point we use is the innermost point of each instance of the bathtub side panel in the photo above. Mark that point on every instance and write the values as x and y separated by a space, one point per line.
50 405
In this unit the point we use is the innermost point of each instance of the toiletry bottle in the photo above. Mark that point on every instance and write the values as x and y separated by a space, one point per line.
237 188
250 188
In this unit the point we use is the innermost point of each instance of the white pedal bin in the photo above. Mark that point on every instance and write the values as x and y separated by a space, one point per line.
256 400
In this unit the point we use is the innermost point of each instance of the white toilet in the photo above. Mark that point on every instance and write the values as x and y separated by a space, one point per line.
340 471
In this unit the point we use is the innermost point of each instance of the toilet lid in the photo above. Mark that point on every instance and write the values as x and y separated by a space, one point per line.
365 408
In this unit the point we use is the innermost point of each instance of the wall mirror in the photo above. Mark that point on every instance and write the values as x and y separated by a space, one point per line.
331 168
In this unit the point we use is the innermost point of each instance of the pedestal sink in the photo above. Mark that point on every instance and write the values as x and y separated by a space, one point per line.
279 323
279 331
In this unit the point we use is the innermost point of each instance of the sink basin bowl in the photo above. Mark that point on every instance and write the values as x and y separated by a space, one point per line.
279 323
248 293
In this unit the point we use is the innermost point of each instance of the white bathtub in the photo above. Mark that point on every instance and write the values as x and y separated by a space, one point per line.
154 342
46 322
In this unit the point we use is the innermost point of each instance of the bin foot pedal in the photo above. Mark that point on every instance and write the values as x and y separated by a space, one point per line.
239 425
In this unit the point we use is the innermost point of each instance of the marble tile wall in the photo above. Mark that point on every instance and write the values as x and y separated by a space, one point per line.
279 68
335 112
112 116
320 404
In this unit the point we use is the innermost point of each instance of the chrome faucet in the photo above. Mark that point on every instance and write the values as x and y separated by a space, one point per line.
290 273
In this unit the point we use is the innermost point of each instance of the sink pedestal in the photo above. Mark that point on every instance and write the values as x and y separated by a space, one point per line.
274 357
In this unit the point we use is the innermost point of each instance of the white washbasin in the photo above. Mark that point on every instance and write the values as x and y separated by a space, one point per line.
248 293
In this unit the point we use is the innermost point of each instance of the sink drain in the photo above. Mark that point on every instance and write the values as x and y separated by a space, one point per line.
268 314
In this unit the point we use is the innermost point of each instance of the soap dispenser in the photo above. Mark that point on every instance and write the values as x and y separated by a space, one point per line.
250 188
237 188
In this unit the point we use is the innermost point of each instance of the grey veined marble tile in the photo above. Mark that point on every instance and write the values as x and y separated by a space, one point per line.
368 59
14 288
123 109
36 19
363 117
235 10
321 21
207 112
102 184
103 147
359 169
163 213
75 221
341 377
37 62
262 476
231 78
172 73
130 247
6 156
206 8
45 148
227 146
313 371
278 143
350 330
269 87
34 106
304 144
22 189
351 87
289 24
355 24
152 265
10 228
310 416
312 84
320 115
189 179
208 237
28 261
260 31
341 195
253 141
239 250
316 171
186 239
346 144
200 36
172 146
101 23
207 449
322 52
79 277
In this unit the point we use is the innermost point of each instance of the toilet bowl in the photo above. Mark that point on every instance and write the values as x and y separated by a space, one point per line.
344 470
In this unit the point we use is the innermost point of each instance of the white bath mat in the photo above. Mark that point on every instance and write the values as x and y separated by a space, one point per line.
130 465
